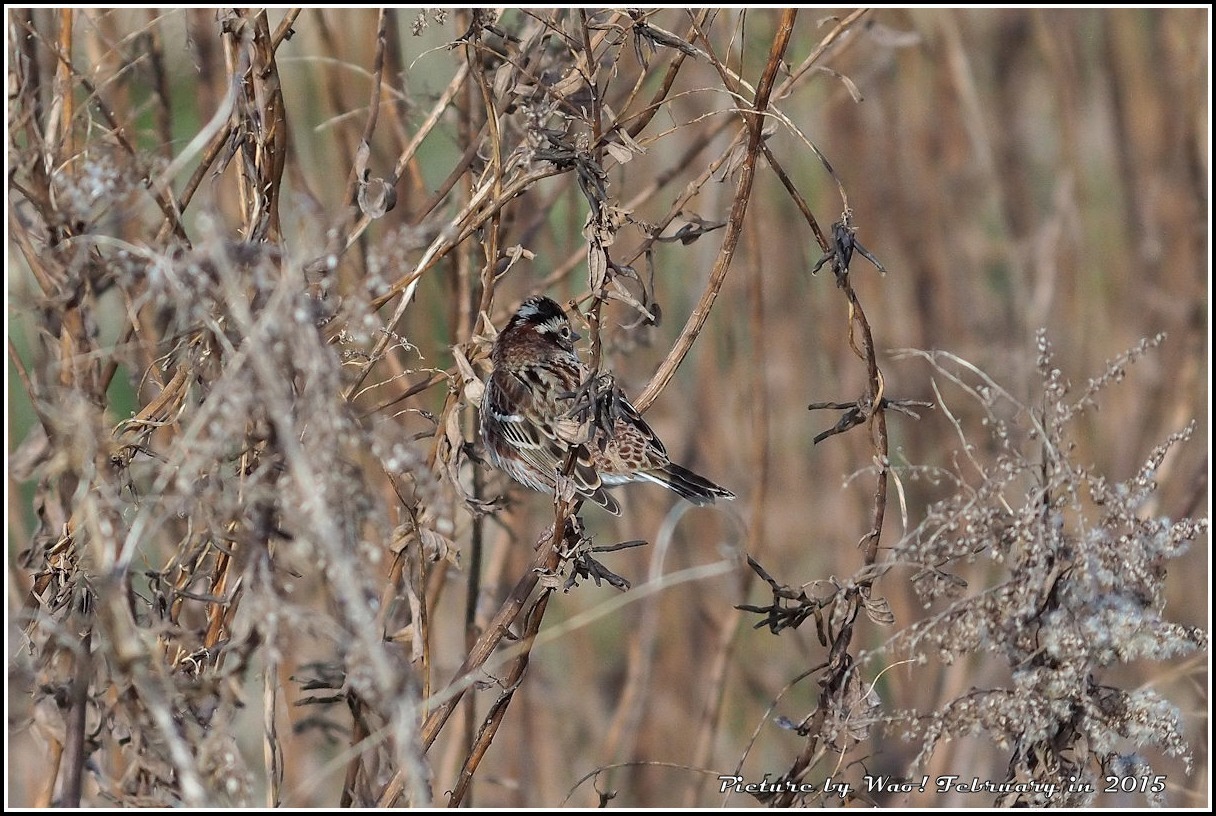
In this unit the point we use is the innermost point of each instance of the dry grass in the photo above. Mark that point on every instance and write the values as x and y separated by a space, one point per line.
255 262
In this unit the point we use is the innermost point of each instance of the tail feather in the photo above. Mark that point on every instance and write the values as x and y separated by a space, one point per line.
696 489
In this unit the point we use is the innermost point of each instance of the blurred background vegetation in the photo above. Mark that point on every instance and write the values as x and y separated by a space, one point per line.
1013 170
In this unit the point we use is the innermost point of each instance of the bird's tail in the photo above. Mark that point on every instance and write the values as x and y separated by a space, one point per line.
697 489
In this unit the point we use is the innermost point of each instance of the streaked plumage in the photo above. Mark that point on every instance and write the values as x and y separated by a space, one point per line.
528 427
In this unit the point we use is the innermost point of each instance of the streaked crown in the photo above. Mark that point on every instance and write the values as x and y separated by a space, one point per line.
541 318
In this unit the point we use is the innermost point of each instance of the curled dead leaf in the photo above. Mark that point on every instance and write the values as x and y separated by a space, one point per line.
474 388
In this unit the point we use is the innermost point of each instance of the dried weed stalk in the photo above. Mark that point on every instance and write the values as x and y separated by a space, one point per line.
1076 589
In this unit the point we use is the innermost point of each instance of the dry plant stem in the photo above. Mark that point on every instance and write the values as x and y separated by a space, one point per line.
799 201
877 422
593 314
544 562
734 226
272 750
210 154
73 757
592 78
837 31
406 286
473 593
356 617
578 256
284 28
647 113
729 629
469 221
734 84
167 206
563 269
64 100
346 240
651 188
268 123
358 733
160 83
217 142
461 300
431 381
373 113
418 575
459 169
217 619
460 304
148 680
46 797
493 239
467 315
838 668
878 428
625 100
704 140
498 709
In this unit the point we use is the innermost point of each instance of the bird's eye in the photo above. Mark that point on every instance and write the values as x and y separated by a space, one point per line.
564 331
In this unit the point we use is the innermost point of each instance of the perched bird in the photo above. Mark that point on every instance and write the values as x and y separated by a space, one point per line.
535 410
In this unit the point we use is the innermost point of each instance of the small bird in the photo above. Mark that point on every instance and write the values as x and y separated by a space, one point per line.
530 418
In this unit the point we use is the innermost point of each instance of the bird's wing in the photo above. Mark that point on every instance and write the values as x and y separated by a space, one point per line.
539 435
632 433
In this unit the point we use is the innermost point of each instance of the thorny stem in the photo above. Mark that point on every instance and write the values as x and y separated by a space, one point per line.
840 665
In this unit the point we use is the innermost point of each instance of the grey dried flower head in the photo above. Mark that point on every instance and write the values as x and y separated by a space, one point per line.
1079 570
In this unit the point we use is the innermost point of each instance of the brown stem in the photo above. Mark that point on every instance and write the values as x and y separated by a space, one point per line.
734 226
347 237
498 710
73 750
545 561
728 627
284 28
647 113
